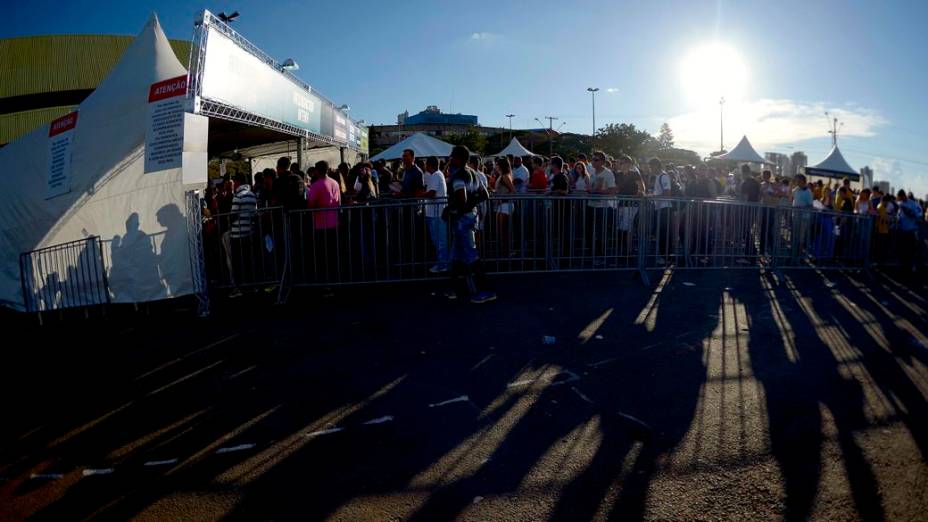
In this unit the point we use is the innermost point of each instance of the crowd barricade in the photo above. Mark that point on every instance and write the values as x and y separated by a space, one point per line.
67 275
391 240
244 249
694 234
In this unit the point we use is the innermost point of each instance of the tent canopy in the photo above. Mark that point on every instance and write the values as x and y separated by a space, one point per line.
742 152
139 215
833 166
422 144
514 149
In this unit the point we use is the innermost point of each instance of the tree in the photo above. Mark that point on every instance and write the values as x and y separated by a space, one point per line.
623 138
472 139
680 156
665 139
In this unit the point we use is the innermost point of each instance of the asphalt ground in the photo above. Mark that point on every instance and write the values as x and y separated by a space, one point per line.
706 396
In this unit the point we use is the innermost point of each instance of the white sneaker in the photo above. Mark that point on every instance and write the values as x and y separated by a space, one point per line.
235 293
439 269
661 261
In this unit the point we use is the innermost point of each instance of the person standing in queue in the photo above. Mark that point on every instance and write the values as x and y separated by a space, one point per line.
466 193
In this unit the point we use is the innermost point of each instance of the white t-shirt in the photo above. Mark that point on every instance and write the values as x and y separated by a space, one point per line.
482 178
582 185
600 182
521 173
662 188
435 181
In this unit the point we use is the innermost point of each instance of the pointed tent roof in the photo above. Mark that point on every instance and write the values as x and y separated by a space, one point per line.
107 180
422 144
833 166
742 152
515 149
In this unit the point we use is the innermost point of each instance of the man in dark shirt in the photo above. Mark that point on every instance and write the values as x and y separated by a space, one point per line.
413 185
560 183
750 188
627 177
384 177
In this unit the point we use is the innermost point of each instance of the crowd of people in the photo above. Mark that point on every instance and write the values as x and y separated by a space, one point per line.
492 185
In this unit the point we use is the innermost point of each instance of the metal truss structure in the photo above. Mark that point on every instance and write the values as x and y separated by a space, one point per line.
217 109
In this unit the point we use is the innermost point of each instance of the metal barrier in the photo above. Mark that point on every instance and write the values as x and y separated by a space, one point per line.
716 234
405 240
245 248
408 240
808 238
67 275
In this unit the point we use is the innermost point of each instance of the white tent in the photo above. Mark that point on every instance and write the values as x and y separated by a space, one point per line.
514 149
833 166
422 144
140 216
742 152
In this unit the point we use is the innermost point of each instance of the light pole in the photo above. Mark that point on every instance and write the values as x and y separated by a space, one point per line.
592 91
721 126
550 132
510 116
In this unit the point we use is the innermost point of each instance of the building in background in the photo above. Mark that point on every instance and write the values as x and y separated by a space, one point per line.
431 121
779 163
797 161
45 77
433 115
885 188
866 177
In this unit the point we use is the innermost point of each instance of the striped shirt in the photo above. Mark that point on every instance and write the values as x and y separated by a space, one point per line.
244 208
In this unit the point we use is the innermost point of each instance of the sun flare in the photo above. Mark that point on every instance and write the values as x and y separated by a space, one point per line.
712 71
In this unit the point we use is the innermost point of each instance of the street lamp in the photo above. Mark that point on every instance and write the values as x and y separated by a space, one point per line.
592 91
721 126
290 65
228 18
510 116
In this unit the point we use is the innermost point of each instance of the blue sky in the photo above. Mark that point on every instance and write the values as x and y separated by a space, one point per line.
786 63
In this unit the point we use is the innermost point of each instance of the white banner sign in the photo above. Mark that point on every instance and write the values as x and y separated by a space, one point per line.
164 138
60 137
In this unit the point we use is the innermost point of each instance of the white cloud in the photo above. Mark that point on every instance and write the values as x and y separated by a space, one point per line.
890 169
482 37
769 123
612 90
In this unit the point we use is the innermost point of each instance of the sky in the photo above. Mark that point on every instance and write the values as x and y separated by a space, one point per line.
780 65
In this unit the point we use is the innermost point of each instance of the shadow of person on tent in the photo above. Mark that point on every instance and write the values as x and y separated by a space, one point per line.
134 275
173 258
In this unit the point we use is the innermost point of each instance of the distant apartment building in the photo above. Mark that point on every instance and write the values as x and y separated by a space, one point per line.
779 163
797 161
866 177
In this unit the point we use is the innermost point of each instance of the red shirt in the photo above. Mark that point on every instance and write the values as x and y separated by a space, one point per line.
538 181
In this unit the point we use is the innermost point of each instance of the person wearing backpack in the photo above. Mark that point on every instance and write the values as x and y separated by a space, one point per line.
663 225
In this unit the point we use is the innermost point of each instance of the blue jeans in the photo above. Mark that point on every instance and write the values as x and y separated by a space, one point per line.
464 245
438 230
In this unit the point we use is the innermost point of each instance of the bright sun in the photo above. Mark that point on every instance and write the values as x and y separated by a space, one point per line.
711 71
